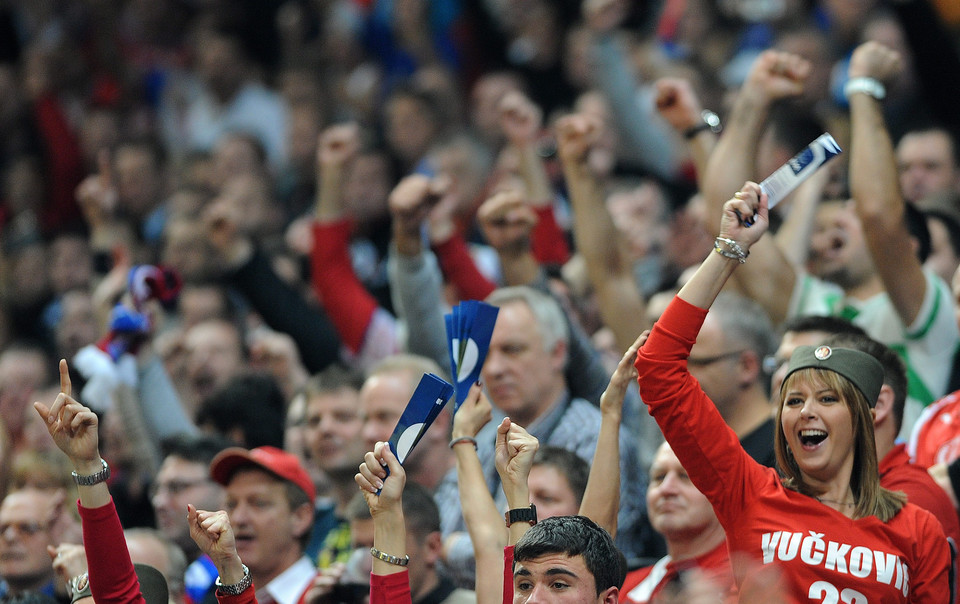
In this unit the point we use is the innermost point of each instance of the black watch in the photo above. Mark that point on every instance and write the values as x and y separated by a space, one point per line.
709 121
522 515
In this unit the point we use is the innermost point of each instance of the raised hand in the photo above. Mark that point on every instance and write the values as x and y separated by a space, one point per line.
338 144
507 221
473 414
213 534
96 194
677 103
72 426
520 119
514 457
372 477
68 559
777 75
576 134
874 60
745 216
611 401
603 16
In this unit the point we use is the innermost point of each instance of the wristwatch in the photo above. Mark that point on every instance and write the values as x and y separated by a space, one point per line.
79 587
522 515
237 588
92 479
709 121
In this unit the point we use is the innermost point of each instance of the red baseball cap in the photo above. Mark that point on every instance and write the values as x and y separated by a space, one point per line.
278 462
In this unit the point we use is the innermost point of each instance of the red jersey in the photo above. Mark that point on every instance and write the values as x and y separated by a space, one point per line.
823 555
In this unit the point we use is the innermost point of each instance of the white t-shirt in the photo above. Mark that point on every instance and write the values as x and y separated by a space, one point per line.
926 347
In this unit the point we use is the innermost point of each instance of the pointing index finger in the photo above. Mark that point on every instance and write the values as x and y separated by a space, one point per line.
65 385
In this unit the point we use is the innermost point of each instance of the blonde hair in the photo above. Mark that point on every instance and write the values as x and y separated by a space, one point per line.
871 499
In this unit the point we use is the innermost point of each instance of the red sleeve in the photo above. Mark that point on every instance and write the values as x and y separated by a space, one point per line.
112 578
548 241
247 596
349 305
390 589
460 269
705 445
63 162
508 575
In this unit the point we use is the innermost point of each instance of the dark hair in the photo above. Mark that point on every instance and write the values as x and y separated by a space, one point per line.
573 467
824 323
420 511
574 536
421 516
894 371
252 402
196 448
331 379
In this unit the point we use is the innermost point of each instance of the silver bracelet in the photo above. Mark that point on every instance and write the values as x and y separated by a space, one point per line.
396 560
735 251
463 439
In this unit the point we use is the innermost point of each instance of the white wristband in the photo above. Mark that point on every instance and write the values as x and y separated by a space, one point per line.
871 86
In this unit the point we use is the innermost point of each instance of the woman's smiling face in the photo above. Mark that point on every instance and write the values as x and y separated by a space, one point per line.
818 428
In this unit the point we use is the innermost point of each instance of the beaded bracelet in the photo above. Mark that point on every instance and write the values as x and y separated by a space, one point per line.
734 253
463 439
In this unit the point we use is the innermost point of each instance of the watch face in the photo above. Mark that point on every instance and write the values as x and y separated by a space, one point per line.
81 582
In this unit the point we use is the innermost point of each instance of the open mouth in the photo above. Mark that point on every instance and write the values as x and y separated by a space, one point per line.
810 439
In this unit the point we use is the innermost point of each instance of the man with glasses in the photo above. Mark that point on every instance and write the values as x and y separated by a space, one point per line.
27 527
727 360
184 477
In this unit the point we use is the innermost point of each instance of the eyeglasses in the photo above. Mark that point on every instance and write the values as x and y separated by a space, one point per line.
26 529
704 361
175 487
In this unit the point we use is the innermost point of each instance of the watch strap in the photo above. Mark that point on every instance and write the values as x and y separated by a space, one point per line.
92 479
528 514
237 588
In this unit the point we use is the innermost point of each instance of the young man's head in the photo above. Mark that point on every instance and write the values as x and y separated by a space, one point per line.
567 559
557 481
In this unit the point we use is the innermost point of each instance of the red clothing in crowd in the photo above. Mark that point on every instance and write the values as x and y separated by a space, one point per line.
823 555
898 474
112 577
642 585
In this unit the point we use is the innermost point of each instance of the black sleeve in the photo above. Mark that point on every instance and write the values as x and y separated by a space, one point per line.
284 309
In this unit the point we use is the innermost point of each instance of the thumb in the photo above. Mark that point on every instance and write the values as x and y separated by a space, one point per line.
52 552
393 464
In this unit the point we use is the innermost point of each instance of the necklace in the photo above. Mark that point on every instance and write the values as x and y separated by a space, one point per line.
834 502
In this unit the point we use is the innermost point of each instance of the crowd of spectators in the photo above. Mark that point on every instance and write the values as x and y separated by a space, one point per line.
319 181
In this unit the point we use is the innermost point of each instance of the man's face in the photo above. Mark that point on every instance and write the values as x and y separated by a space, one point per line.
788 343
266 529
179 482
714 363
551 493
555 578
214 355
677 509
333 431
26 519
21 374
926 164
520 375
838 251
383 398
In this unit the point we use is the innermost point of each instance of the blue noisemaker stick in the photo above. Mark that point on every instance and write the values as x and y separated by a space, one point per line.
469 328
431 394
